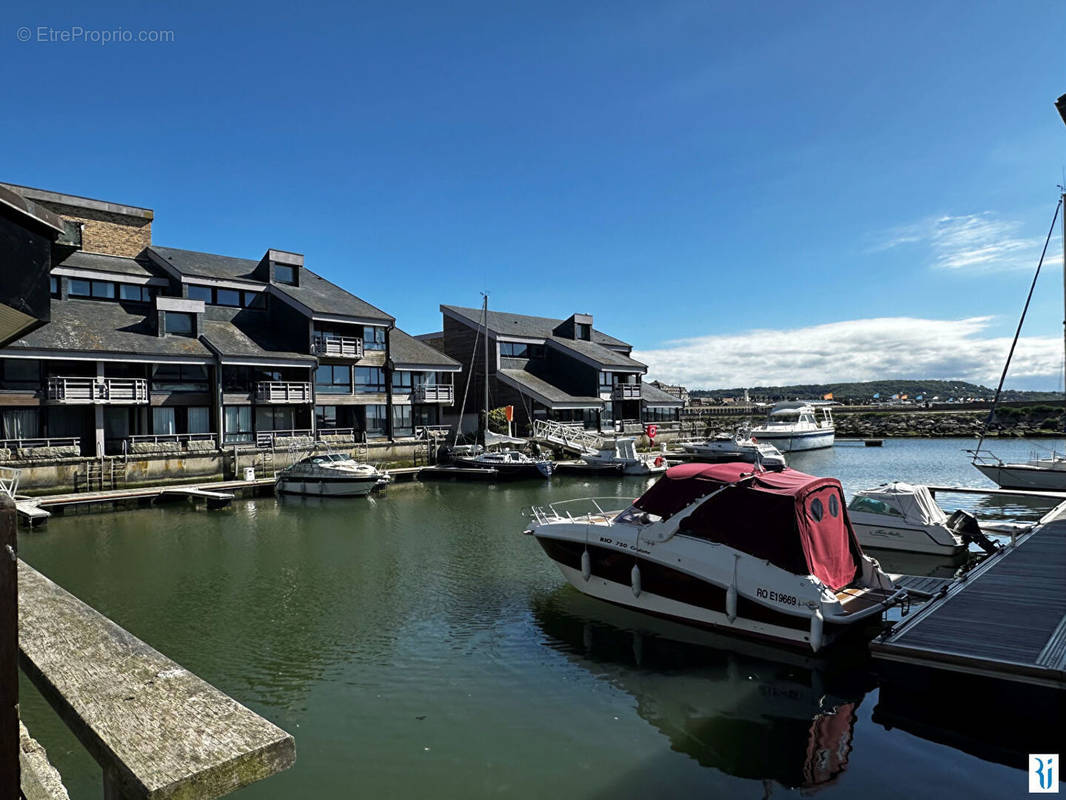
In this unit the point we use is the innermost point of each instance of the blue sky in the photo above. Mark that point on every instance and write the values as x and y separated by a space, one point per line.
748 192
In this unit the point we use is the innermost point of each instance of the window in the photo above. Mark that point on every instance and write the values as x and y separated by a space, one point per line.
53 286
163 421
200 293
227 297
401 421
256 300
375 417
373 338
136 294
178 324
369 380
333 379
238 424
199 418
325 417
20 423
402 381
105 290
285 274
424 415
179 378
19 374
606 381
79 288
514 350
584 331
274 418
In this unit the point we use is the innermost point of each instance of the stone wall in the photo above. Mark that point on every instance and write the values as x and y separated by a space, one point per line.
107 232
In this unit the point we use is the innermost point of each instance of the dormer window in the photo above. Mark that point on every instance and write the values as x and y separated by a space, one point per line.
179 324
584 331
283 273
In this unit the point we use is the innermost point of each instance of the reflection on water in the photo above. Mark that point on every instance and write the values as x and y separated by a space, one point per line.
750 710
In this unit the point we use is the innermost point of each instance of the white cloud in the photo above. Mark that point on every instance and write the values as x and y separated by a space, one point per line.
854 350
971 242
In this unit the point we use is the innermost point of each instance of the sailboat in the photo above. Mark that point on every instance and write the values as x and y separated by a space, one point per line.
508 463
1047 473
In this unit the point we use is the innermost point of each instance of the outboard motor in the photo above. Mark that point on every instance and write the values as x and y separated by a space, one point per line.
965 525
444 454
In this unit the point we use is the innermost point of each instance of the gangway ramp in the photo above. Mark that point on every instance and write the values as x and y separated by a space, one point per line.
571 438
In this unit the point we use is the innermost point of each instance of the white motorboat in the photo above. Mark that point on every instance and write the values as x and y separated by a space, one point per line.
792 426
621 455
738 446
1047 473
330 475
768 554
509 464
901 516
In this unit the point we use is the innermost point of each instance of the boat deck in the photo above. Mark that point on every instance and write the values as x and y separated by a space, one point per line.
1006 620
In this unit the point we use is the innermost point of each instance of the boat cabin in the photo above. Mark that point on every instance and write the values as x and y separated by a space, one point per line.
799 415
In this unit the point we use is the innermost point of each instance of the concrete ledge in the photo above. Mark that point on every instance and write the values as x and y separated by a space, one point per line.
40 780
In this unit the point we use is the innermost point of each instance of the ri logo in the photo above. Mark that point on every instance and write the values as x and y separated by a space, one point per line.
1043 773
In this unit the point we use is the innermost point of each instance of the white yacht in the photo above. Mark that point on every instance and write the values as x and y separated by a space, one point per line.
509 464
767 554
796 425
330 475
738 446
621 455
1044 473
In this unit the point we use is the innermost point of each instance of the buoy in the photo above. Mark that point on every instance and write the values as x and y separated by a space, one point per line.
816 630
634 580
731 602
586 565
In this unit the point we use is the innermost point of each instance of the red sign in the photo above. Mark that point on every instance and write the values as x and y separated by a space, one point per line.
651 430
508 411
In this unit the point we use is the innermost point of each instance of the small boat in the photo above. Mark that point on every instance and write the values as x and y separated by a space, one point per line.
1046 473
902 516
330 475
621 455
766 554
738 446
509 464
796 425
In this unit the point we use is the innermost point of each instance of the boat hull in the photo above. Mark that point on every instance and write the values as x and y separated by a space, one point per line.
326 487
1021 476
791 442
505 471
910 539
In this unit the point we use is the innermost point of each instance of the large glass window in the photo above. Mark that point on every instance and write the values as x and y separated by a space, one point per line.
179 378
163 421
285 274
369 380
135 294
325 417
274 418
373 338
199 419
401 421
178 323
200 293
20 423
521 350
606 381
238 424
256 300
333 379
17 373
584 331
227 297
77 287
375 417
424 415
105 290
403 381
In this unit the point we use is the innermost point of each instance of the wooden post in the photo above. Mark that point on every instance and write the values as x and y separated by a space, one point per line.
9 682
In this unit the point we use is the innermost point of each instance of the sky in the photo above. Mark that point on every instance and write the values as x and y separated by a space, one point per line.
749 193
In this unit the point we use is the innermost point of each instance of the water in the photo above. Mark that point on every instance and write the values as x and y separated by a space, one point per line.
417 645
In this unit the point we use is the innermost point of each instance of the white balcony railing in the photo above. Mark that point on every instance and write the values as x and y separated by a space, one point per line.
435 393
626 391
282 392
86 391
337 346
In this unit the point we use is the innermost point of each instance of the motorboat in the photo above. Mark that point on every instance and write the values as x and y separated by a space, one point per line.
620 455
330 475
766 554
902 516
509 464
737 446
1043 473
796 425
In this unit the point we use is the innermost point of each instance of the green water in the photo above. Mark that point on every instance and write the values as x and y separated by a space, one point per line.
417 645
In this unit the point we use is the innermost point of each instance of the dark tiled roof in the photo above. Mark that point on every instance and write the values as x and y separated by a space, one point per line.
544 391
405 350
106 327
207 265
603 356
654 396
522 325
324 297
233 342
105 263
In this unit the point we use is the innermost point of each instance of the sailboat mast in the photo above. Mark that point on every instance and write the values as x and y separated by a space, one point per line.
1062 202
485 322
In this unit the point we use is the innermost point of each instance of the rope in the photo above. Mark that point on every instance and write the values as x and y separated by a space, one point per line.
466 388
1018 332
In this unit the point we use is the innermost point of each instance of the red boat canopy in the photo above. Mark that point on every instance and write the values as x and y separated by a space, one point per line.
795 521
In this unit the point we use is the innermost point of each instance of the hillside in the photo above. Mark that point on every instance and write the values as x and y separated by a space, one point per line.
864 392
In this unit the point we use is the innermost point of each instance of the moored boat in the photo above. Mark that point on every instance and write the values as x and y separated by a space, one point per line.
330 475
738 446
796 425
509 464
621 455
768 554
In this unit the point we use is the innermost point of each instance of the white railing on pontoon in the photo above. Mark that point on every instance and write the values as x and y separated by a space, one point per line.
9 482
566 434
597 513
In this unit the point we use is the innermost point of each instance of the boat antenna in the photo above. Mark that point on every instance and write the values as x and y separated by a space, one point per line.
466 389
1018 331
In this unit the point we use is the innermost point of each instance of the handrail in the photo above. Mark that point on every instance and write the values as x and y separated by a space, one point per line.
172 437
52 441
349 432
542 515
432 431
324 344
83 389
567 435
9 481
156 729
435 393
283 391
270 438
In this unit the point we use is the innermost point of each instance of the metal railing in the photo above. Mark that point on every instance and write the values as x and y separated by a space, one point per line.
276 438
337 346
568 435
283 392
336 433
432 431
168 438
57 441
626 391
597 514
9 481
97 390
435 393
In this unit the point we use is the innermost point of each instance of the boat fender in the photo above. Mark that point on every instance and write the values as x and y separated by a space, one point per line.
586 565
634 580
816 630
658 461
731 602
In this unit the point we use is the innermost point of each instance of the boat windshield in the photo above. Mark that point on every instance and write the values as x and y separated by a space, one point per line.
872 506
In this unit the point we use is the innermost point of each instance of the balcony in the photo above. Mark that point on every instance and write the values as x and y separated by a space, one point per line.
97 391
432 393
337 346
281 392
626 391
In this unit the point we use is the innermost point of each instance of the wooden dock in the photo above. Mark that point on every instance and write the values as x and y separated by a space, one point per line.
1006 621
462 473
864 442
216 495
